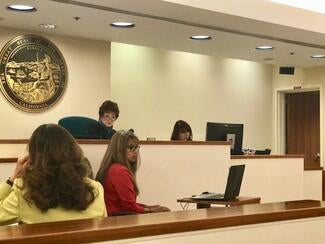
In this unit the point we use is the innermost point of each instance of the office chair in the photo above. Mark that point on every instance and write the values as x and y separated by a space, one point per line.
79 127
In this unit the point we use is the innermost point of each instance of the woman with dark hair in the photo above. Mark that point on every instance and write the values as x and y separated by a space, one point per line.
108 113
182 131
117 174
50 183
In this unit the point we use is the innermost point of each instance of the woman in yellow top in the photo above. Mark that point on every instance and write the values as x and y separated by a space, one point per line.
50 183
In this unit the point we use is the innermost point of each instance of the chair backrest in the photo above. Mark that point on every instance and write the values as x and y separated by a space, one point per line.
79 126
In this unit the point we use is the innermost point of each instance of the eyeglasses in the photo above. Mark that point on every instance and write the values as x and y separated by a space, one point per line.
133 148
110 116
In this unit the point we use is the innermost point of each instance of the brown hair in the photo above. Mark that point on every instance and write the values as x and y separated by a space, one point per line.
116 153
180 127
108 106
55 175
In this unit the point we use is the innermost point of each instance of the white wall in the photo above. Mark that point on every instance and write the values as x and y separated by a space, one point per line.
298 231
278 179
88 63
154 88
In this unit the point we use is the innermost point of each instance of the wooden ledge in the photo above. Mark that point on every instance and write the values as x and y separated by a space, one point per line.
265 156
123 227
8 160
14 141
313 168
105 142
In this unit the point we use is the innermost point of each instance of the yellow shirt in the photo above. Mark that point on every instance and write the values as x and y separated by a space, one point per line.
14 208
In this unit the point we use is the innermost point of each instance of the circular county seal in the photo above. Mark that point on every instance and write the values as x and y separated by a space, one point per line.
33 73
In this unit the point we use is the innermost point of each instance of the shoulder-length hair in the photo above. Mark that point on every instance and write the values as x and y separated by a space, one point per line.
117 153
55 175
180 127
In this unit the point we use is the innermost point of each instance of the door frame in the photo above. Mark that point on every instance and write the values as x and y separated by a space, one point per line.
279 118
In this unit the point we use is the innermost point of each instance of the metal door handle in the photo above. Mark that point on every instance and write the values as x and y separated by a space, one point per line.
317 156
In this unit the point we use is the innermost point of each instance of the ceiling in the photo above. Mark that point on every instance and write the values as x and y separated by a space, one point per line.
236 28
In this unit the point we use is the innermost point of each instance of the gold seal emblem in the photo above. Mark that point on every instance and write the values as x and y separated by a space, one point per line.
33 73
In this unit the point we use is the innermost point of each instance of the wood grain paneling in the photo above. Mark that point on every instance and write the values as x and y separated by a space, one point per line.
122 227
303 126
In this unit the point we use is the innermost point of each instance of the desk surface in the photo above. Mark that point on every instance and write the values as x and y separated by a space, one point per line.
237 201
122 227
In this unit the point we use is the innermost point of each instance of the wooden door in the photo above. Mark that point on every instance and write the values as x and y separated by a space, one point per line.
302 126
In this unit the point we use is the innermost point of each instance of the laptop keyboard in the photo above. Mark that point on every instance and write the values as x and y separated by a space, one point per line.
209 196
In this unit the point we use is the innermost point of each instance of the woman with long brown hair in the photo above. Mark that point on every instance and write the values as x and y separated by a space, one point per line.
117 173
50 183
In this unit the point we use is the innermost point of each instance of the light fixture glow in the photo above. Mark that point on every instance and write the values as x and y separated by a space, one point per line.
200 37
21 8
264 48
318 56
48 26
121 24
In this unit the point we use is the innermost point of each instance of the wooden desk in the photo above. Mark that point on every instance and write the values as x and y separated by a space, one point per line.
207 203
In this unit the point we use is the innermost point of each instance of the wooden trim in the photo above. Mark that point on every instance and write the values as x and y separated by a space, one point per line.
313 168
123 227
8 160
100 142
265 156
14 141
323 185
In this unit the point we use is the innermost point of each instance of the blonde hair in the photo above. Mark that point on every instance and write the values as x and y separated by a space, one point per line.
116 153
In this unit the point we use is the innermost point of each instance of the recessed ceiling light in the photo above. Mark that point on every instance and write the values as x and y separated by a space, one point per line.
21 8
264 48
318 56
121 24
200 37
48 26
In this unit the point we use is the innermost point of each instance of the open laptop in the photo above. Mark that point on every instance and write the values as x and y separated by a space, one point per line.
235 177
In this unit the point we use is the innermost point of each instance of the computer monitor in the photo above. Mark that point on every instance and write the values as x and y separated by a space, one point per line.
226 132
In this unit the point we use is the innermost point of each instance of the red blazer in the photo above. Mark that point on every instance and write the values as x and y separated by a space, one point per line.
120 195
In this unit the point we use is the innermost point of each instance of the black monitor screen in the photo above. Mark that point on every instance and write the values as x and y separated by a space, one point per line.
226 132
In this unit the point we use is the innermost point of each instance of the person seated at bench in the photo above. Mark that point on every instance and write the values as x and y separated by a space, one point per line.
108 114
117 173
182 131
50 184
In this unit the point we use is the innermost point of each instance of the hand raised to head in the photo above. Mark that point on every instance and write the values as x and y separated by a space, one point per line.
20 167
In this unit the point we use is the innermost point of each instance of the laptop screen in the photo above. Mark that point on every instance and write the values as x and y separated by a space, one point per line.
234 181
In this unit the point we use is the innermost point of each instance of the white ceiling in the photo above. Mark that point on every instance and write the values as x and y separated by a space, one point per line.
236 28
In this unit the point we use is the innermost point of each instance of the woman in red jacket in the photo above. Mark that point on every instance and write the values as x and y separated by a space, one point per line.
117 174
